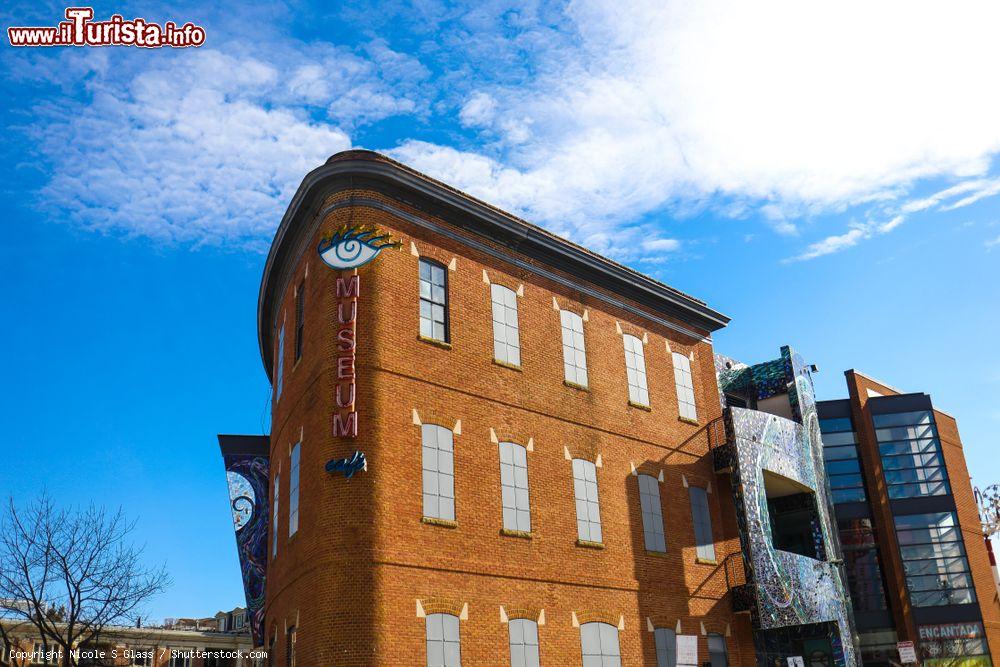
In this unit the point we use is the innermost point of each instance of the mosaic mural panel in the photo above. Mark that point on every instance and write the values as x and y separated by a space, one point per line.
791 589
247 476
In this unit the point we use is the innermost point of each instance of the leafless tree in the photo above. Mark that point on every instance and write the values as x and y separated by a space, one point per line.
68 575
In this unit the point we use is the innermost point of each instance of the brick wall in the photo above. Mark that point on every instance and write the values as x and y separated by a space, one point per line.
350 579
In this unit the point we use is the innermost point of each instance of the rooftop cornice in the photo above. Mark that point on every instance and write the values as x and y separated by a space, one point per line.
357 169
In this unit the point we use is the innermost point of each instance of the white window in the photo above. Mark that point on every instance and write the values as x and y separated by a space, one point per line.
574 354
717 650
635 368
666 647
506 341
523 643
140 658
279 372
685 388
439 472
433 301
652 514
293 490
180 660
443 641
274 529
588 509
702 523
600 645
514 487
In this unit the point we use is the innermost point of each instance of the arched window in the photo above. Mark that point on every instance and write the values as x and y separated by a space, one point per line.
717 650
574 353
588 508
514 487
443 648
666 647
652 514
685 387
438 472
506 338
523 642
702 523
635 369
599 642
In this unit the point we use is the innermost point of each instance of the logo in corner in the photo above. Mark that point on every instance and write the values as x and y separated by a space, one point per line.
351 246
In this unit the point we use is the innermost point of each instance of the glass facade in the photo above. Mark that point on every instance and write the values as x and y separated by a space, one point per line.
862 563
840 453
878 647
937 571
911 454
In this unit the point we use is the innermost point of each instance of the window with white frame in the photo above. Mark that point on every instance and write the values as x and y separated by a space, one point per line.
140 657
666 647
702 523
599 642
279 371
514 487
433 300
506 338
443 645
652 514
438 472
635 368
574 354
274 528
293 489
179 659
685 387
588 509
523 642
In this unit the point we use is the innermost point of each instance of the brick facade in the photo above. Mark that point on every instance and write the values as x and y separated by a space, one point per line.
363 568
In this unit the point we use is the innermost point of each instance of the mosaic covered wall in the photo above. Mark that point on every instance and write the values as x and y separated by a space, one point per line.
790 589
247 476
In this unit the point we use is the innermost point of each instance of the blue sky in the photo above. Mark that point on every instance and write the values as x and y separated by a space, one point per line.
826 174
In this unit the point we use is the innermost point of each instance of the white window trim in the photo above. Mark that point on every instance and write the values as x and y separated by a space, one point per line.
657 513
635 370
294 479
513 488
687 406
506 330
275 513
581 494
573 355
434 477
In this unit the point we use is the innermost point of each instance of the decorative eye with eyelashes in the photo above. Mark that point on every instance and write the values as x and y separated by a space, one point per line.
351 247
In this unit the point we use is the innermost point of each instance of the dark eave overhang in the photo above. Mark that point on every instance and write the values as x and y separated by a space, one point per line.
371 171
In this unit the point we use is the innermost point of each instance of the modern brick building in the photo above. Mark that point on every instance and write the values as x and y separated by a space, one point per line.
491 446
916 562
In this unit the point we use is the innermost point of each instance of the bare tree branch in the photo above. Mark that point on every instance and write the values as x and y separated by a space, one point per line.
69 575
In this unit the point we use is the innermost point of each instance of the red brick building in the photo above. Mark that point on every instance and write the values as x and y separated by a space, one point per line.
484 429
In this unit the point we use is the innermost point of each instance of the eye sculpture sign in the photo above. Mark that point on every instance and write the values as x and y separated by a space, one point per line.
349 247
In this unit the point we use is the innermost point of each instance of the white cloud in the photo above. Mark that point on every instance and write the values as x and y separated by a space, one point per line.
992 243
478 111
188 151
662 245
803 107
975 189
849 239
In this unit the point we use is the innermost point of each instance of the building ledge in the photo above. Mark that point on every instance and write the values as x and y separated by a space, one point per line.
523 534
435 342
444 523
505 364
590 545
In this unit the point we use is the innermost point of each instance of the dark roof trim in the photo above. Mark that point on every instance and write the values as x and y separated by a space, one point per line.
368 170
253 445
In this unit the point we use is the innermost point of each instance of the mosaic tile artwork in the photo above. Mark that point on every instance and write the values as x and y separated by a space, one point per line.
248 481
791 589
